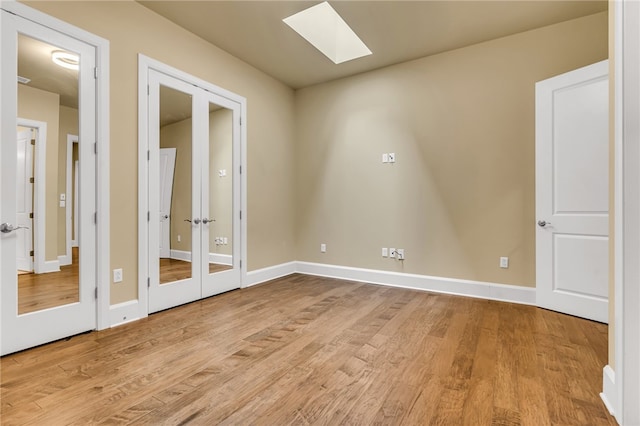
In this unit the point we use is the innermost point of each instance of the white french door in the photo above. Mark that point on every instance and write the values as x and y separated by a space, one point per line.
36 317
203 131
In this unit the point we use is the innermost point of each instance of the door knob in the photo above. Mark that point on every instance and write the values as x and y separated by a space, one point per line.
196 220
543 223
206 220
166 216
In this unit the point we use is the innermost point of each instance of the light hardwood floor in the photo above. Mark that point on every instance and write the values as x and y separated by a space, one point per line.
310 350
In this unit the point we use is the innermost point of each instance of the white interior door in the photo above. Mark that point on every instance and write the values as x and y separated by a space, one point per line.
44 324
221 195
172 124
572 183
24 201
167 166
203 130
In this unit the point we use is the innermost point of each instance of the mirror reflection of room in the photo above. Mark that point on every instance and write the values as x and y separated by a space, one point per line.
175 198
220 188
47 254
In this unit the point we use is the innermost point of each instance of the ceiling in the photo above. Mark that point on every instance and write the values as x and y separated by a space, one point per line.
396 31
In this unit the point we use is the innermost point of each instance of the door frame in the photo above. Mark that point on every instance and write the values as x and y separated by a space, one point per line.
101 47
145 64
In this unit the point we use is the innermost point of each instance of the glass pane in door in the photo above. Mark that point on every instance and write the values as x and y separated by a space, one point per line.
47 261
175 187
220 189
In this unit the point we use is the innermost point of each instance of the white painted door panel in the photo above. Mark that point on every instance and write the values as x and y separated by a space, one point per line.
572 182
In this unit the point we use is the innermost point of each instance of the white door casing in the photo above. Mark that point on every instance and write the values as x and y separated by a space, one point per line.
24 201
572 183
27 330
167 166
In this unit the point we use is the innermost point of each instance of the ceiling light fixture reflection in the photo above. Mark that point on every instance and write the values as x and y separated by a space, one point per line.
321 26
65 59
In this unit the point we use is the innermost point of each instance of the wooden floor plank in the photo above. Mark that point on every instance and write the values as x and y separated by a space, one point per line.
312 350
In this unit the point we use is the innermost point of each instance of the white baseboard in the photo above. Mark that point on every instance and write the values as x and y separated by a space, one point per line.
609 390
64 260
123 313
49 266
180 255
221 259
265 274
478 289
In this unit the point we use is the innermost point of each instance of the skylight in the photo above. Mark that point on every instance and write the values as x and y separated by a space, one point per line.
321 26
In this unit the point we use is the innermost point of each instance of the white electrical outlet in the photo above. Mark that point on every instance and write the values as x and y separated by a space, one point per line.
385 158
179 238
225 241
392 157
323 248
504 262
385 252
117 275
400 254
392 252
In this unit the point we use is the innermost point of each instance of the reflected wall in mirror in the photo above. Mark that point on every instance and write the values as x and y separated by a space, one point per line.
47 114
175 187
220 188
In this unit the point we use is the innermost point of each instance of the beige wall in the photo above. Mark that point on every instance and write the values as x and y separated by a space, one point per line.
461 123
36 104
133 29
68 126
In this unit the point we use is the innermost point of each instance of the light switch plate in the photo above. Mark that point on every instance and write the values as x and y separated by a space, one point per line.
392 157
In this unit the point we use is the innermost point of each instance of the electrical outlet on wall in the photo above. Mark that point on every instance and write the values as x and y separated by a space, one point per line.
117 275
323 248
400 254
504 262
385 252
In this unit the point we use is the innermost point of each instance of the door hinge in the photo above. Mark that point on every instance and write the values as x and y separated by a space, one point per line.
95 147
148 216
31 253
241 120
241 263
148 155
148 282
148 90
240 214
30 215
240 169
96 293
95 73
33 141
95 218
31 180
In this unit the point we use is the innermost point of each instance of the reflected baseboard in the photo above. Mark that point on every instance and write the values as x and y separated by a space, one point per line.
221 259
64 260
48 266
180 255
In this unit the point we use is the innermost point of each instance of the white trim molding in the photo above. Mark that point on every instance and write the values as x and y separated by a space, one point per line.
477 289
122 313
269 273
609 391
180 255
